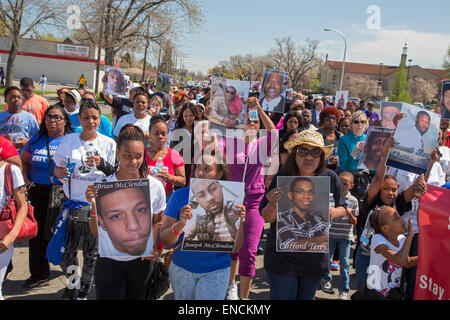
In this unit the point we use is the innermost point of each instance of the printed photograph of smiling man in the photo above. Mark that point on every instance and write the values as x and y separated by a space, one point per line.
273 93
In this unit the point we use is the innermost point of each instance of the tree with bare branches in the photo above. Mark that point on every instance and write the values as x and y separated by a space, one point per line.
21 17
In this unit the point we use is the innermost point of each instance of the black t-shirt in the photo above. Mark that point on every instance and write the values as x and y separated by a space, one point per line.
122 106
299 263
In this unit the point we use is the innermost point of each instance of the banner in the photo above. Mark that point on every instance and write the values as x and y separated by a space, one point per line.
433 276
71 50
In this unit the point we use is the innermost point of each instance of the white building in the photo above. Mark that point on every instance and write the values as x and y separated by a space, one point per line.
60 62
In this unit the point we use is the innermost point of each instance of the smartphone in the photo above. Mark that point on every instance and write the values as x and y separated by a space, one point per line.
253 115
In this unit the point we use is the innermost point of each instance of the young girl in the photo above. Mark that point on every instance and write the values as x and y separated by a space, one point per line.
389 253
196 275
383 191
123 277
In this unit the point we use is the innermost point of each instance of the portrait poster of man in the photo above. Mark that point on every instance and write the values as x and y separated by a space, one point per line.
228 105
164 82
273 91
445 110
214 225
376 138
303 216
341 99
388 111
116 83
415 139
124 218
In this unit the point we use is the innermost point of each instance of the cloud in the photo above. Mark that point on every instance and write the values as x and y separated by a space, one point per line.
385 46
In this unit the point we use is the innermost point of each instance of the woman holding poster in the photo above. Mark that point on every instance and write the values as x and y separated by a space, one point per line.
297 275
121 276
196 275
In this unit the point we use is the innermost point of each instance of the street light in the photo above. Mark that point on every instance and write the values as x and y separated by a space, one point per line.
410 60
379 78
345 52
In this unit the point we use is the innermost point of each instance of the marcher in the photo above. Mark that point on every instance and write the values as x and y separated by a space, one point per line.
93 156
196 275
352 144
123 278
7 241
38 175
296 276
139 117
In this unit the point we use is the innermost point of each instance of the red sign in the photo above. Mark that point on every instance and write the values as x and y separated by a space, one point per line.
433 276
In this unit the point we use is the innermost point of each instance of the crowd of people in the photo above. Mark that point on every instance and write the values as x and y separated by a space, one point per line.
73 145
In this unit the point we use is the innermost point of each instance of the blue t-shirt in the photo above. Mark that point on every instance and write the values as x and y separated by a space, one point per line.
104 128
196 262
39 169
18 125
346 146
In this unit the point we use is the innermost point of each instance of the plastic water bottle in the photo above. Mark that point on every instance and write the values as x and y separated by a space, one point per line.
90 151
331 200
159 166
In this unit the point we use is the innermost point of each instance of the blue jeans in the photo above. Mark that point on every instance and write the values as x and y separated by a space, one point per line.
198 286
361 264
284 287
344 260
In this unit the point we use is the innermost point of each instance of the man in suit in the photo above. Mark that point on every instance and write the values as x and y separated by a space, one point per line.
318 106
273 88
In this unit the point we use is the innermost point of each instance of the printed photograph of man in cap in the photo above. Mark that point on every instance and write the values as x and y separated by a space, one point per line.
303 214
214 225
445 110
273 94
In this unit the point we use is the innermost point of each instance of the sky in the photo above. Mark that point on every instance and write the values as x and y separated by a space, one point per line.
250 26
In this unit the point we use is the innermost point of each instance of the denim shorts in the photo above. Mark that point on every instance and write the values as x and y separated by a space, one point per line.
198 286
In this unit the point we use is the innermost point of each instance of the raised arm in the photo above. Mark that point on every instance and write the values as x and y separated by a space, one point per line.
375 185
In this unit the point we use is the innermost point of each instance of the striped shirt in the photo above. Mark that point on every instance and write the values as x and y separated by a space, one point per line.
292 227
342 229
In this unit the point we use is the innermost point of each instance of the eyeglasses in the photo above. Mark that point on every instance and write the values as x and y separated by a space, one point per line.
359 122
55 117
303 152
331 118
252 121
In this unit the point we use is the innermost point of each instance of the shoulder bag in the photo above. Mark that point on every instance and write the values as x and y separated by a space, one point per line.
9 213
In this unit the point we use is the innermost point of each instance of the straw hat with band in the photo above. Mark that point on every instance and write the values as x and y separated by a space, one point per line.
311 138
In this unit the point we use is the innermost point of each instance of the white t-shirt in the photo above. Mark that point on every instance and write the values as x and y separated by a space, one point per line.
445 160
73 149
17 180
130 118
158 204
383 275
77 108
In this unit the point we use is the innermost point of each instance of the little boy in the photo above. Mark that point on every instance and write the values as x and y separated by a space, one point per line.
341 235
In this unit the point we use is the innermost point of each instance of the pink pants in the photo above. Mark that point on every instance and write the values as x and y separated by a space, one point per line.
253 227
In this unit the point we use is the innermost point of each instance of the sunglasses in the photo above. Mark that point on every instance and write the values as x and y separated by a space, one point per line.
88 100
360 122
303 152
231 92
252 121
55 117
331 118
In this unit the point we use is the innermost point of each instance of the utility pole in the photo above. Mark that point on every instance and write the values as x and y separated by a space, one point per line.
146 48
99 53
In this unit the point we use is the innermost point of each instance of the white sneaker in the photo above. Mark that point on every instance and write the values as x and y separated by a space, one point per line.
343 295
232 291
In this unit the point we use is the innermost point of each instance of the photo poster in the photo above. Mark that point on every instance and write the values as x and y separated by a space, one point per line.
274 90
164 82
124 216
415 139
388 111
445 110
303 217
228 105
376 138
214 225
341 99
116 83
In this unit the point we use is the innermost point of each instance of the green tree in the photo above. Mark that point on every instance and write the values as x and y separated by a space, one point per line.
446 63
400 91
